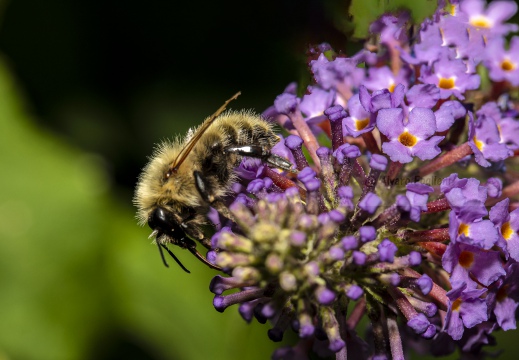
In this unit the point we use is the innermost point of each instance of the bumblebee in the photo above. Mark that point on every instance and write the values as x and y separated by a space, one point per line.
187 176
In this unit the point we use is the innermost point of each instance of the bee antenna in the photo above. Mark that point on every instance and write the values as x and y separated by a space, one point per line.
162 255
193 140
172 255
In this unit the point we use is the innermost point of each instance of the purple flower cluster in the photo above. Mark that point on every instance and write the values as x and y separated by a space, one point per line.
407 214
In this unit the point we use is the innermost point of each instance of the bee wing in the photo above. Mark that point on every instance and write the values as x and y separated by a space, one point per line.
191 143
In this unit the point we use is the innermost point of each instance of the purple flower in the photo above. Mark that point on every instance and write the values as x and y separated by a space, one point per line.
286 103
340 71
367 233
485 141
463 192
450 76
370 203
314 103
359 120
467 199
507 224
466 309
381 99
494 187
391 28
430 48
425 284
417 194
387 250
465 262
468 227
423 95
448 112
383 78
506 298
354 292
507 127
503 64
409 137
489 22
378 162
346 151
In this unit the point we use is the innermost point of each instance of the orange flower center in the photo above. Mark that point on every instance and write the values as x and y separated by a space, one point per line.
466 259
480 22
507 65
479 143
361 124
456 304
506 231
463 229
407 139
453 10
446 83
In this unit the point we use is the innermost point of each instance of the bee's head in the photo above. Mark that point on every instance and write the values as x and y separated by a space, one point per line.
163 223
166 229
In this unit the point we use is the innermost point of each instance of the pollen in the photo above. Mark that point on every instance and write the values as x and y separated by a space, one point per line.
391 87
463 229
361 124
407 139
456 305
447 83
466 259
507 65
453 9
480 22
506 231
479 144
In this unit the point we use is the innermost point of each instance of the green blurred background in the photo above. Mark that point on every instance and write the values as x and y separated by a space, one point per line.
87 87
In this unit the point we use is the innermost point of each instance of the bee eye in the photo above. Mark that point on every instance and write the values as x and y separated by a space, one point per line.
159 219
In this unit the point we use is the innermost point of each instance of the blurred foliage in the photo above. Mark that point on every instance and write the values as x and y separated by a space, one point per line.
100 83
77 277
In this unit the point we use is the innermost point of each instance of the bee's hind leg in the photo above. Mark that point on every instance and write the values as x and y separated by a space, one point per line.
204 188
263 153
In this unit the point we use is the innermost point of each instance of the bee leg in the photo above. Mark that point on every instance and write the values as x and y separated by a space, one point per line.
263 153
191 246
202 258
204 188
195 233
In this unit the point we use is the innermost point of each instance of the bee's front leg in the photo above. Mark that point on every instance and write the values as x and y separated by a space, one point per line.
207 194
193 231
261 152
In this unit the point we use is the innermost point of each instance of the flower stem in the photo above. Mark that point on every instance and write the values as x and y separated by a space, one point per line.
437 206
356 315
371 142
395 342
446 159
437 293
393 171
283 182
306 134
436 235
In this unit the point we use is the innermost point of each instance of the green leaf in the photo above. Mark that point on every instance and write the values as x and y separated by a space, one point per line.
364 12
